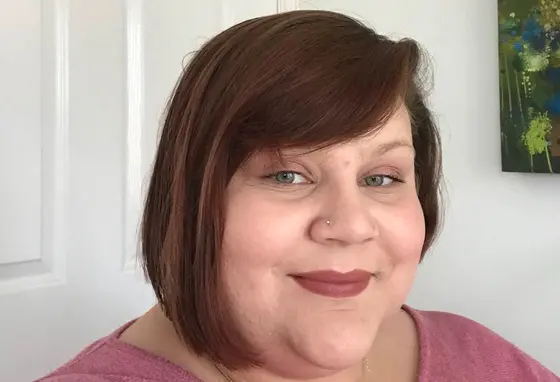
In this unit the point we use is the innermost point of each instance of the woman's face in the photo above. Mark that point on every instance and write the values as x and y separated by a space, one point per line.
351 207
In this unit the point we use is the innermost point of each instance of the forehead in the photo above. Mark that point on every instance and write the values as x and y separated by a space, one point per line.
396 128
395 133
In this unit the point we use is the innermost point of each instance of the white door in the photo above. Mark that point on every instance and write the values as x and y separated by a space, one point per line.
82 87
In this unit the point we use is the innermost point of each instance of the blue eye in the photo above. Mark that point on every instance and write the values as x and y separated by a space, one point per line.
379 180
288 177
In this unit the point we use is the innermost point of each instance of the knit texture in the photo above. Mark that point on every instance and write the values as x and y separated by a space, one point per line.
452 349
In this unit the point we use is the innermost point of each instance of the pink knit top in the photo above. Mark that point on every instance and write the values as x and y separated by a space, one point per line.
452 348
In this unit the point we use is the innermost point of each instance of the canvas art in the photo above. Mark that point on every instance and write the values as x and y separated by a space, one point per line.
529 48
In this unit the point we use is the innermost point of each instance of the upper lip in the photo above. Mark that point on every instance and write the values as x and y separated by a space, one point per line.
334 277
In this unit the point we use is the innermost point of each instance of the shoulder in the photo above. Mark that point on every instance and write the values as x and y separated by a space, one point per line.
111 360
451 344
86 378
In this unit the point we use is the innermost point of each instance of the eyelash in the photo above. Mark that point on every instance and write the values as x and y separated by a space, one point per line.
272 176
393 178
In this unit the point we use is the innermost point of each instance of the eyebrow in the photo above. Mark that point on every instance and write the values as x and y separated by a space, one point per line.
388 146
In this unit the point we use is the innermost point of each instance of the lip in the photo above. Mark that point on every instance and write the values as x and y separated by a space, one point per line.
334 284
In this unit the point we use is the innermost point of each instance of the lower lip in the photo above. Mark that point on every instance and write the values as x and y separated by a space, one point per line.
336 290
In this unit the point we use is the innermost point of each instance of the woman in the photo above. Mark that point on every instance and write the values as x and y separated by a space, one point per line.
294 193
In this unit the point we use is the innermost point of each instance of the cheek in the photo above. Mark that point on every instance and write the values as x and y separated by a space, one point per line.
405 231
259 233
404 236
258 236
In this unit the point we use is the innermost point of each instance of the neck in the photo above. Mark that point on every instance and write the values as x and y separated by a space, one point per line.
393 357
357 373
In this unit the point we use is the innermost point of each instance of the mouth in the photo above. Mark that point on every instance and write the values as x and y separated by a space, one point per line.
334 284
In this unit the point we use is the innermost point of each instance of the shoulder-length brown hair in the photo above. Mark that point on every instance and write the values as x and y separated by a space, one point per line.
296 79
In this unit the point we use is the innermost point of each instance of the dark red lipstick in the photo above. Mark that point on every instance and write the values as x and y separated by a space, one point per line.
330 283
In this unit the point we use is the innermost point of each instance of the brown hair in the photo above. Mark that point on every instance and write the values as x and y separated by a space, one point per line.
296 79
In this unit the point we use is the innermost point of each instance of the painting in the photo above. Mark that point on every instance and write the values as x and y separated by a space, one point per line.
529 49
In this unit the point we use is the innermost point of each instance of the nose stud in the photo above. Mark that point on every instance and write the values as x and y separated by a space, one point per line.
328 222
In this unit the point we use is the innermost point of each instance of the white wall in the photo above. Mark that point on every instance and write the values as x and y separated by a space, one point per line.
498 257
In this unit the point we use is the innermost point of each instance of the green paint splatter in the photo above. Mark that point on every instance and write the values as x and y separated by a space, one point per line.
534 61
535 136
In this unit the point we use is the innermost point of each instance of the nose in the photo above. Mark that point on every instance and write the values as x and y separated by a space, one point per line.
346 219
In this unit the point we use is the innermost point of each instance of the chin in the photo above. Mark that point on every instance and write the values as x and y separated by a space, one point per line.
334 345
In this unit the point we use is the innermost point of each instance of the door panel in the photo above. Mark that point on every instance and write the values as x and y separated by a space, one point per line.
84 84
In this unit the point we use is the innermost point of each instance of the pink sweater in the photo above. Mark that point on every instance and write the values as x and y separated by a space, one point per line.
452 348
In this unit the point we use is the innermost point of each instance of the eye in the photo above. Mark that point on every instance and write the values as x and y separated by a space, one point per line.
379 180
289 177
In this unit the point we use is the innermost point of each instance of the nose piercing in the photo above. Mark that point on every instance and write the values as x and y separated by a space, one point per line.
328 222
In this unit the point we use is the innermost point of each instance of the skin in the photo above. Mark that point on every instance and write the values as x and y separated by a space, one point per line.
277 210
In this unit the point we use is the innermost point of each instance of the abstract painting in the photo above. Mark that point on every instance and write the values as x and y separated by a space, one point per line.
529 49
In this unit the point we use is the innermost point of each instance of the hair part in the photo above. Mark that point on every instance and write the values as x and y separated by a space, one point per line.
294 79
